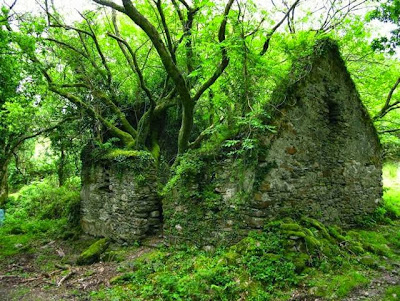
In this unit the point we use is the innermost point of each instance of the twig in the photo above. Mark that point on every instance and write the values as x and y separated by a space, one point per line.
65 278
9 276
61 267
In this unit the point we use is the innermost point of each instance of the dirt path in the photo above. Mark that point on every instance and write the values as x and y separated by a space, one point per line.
24 279
375 291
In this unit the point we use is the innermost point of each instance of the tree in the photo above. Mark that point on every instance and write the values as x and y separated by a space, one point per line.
23 114
387 12
90 79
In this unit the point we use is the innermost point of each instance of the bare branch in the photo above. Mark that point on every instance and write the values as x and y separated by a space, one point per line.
272 31
111 4
66 45
133 61
166 30
179 12
100 52
185 4
38 133
255 30
204 134
387 107
225 59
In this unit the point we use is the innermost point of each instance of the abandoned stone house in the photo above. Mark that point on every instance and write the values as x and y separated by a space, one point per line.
323 160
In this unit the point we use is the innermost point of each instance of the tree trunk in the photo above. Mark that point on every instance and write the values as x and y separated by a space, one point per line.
186 126
60 171
3 184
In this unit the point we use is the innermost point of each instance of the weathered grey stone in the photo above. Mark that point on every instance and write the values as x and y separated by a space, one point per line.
324 161
116 202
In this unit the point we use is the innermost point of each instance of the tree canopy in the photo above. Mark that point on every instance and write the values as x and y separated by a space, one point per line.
165 76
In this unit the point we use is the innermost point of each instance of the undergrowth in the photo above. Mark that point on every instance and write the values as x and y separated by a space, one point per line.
39 210
271 264
266 265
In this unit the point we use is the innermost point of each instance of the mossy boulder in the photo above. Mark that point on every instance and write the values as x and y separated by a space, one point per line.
290 227
378 249
312 243
93 253
368 261
356 248
334 232
231 257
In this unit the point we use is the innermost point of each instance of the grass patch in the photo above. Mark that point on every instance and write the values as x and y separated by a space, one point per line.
39 211
391 202
392 293
339 286
287 255
263 266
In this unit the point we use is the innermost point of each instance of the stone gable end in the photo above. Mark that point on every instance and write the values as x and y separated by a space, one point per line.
324 161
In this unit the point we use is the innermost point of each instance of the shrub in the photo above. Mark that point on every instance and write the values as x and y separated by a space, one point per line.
44 200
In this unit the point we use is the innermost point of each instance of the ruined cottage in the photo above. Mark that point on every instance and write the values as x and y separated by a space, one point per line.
119 196
322 160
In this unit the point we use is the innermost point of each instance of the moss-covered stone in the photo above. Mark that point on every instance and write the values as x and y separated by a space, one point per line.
115 153
312 243
300 261
317 225
295 234
368 261
119 196
334 232
231 257
290 227
93 253
378 249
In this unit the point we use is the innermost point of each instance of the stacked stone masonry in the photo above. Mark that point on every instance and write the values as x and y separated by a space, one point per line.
324 161
122 204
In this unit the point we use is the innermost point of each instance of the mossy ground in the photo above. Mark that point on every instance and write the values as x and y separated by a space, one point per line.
271 265
287 259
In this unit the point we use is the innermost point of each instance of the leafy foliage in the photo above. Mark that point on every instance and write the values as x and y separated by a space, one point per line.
387 12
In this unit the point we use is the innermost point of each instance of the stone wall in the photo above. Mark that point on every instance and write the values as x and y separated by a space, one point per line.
323 161
119 196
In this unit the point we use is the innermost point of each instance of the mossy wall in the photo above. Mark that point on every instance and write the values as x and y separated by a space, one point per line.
205 202
324 161
119 195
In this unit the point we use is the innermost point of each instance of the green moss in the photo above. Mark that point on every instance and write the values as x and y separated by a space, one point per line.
295 233
291 227
312 243
334 232
356 248
378 249
155 151
300 261
339 286
92 254
112 256
308 232
317 225
231 257
368 261
121 278
392 293
115 153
